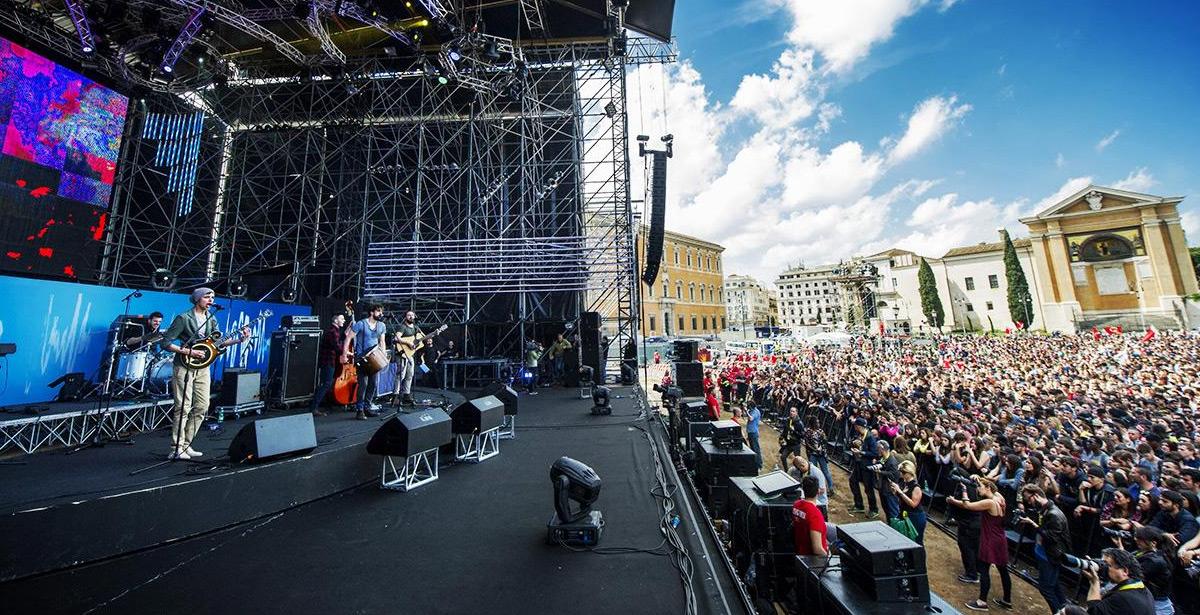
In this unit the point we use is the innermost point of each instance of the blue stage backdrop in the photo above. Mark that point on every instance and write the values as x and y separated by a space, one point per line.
61 327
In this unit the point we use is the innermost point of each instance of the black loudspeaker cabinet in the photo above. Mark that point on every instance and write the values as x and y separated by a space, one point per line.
571 368
239 386
689 376
686 350
265 439
477 415
292 367
408 434
762 531
890 588
658 215
694 410
593 353
505 394
589 321
876 549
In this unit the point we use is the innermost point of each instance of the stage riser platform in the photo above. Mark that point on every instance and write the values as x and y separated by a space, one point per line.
73 534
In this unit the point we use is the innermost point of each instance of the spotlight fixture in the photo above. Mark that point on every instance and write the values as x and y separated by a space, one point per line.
79 18
288 295
455 55
238 288
162 279
600 401
610 109
574 482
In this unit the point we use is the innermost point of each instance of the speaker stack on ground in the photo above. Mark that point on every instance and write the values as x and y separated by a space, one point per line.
883 562
591 345
292 367
689 377
717 464
761 524
266 439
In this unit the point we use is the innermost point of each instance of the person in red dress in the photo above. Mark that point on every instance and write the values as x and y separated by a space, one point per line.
993 546
808 524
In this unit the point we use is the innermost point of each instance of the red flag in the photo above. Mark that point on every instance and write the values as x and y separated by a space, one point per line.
1150 333
1119 330
881 328
1109 331
1020 325
1007 330
1095 334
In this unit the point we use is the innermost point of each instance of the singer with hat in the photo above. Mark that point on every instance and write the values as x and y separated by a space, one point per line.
190 385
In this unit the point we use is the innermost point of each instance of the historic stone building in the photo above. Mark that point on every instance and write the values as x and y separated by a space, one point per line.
688 297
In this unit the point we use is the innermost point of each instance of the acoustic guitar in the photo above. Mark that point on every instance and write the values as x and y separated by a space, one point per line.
408 345
345 384
214 345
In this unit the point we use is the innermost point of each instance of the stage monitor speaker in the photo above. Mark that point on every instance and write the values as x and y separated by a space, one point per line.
265 439
690 378
477 415
239 386
694 409
890 588
658 216
589 321
404 435
686 350
504 393
292 366
762 525
877 550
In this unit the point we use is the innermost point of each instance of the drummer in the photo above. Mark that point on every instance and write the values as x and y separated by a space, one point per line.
365 335
152 333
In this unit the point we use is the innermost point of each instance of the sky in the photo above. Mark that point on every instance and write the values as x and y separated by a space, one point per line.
809 131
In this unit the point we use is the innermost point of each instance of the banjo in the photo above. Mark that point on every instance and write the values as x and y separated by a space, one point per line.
214 346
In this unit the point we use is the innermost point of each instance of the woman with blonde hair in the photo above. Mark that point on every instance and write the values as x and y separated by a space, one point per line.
909 494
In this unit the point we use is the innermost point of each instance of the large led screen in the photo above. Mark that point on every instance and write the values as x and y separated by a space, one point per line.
61 140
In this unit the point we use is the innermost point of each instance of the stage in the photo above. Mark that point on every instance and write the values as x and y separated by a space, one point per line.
316 534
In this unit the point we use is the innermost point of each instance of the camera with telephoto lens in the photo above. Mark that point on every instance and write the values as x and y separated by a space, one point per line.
1097 566
959 476
875 467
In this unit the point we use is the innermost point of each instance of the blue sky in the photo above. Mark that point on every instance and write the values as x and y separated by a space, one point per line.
811 130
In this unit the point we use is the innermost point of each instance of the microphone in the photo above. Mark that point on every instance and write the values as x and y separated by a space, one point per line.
217 307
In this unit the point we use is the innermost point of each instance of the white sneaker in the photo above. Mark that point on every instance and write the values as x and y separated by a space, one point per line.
191 452
179 455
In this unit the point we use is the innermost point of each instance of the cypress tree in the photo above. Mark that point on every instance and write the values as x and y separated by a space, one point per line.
1020 303
931 304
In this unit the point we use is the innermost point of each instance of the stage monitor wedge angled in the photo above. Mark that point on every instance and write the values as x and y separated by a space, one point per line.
504 393
477 415
405 435
265 439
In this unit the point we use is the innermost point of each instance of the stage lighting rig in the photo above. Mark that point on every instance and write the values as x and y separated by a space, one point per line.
238 288
600 401
668 140
186 35
78 12
574 481
162 279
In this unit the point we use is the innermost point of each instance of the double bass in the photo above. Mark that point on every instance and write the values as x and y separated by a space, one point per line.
345 383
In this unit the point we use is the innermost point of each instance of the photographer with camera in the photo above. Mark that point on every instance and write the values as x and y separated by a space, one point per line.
887 471
1156 566
864 456
1128 595
993 545
1053 540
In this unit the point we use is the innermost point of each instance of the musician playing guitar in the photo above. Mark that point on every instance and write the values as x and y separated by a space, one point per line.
366 334
408 340
190 385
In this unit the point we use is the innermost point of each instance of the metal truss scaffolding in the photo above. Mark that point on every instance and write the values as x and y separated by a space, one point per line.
291 177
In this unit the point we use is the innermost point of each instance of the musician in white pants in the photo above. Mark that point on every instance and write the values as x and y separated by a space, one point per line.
406 361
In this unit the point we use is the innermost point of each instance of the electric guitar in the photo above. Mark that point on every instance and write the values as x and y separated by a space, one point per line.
408 345
214 346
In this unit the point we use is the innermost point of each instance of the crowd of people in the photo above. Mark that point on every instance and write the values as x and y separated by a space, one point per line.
1077 450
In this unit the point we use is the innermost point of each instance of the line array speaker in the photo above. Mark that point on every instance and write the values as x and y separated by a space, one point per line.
658 215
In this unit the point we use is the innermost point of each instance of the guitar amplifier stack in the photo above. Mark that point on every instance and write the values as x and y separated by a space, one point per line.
292 368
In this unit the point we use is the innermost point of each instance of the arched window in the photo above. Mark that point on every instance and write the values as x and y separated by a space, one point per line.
679 290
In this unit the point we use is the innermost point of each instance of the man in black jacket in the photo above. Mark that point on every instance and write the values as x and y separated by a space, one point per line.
791 437
859 474
1128 596
1053 540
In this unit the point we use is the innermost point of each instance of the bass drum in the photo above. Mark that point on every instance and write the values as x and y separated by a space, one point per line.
158 383
132 365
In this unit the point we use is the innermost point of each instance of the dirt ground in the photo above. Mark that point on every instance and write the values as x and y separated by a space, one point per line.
941 551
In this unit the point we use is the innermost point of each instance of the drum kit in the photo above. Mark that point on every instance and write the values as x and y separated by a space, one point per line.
138 368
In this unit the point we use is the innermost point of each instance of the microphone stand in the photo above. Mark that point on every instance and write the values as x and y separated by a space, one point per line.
104 404
200 334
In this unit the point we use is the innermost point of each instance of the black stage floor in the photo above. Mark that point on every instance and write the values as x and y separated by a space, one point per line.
472 541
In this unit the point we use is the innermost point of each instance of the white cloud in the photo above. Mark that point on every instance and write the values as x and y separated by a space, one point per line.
931 119
1107 141
1069 187
945 5
941 223
1003 69
845 174
1059 161
1138 180
843 31
790 94
1191 226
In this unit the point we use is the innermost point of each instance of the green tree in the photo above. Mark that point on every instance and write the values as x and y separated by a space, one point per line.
931 303
1020 303
1195 252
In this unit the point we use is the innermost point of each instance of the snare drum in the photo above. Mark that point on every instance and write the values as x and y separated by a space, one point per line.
373 362
132 365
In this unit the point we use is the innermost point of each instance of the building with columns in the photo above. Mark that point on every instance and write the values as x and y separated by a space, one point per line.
1104 256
